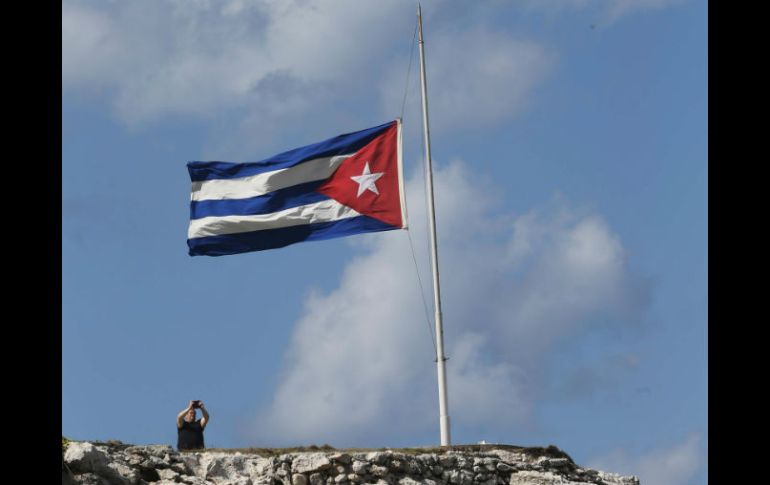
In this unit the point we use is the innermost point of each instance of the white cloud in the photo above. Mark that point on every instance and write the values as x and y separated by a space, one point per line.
202 59
670 466
608 372
485 392
620 8
277 62
568 265
199 58
474 77
608 11
361 355
87 45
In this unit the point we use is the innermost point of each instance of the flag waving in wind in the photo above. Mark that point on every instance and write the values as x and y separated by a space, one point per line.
345 185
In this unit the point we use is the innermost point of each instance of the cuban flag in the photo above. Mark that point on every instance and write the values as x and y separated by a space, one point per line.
349 184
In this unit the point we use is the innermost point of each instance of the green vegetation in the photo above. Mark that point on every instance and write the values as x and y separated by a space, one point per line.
550 451
267 452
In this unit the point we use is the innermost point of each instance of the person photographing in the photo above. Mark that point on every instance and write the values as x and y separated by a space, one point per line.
189 429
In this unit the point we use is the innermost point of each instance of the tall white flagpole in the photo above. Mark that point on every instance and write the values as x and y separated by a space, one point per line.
440 359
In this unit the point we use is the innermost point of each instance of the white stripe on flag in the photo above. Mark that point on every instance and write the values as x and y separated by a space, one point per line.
263 183
324 211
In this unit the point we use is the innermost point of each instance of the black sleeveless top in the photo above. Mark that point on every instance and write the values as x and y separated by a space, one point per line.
190 436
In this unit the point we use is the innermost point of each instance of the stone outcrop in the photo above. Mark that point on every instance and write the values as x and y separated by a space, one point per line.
96 463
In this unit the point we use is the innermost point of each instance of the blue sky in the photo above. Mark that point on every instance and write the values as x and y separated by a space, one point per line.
570 160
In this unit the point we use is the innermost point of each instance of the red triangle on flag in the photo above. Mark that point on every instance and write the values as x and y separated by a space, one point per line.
376 193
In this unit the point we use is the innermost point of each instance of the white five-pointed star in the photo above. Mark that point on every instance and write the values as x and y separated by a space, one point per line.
366 180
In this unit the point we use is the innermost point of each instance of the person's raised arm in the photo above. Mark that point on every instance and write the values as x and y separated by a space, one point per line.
180 416
205 418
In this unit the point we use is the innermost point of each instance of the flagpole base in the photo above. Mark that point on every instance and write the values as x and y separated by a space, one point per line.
446 439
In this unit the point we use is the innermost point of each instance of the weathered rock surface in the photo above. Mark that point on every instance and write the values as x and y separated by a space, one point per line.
121 464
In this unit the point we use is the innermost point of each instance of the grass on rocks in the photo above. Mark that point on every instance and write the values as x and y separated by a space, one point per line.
550 451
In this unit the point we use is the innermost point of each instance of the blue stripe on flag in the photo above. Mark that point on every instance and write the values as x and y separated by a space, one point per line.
339 145
264 204
278 238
